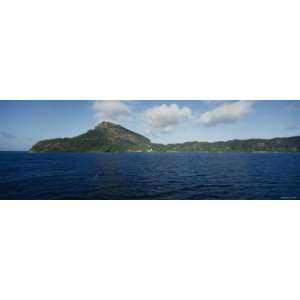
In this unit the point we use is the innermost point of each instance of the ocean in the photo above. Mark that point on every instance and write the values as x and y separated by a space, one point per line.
194 175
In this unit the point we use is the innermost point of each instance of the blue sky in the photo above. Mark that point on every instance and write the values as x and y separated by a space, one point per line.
22 123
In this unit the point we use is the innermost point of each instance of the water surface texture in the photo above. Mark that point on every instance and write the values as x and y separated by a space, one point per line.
193 175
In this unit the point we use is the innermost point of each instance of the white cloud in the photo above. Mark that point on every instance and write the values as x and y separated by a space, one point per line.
111 110
226 113
166 117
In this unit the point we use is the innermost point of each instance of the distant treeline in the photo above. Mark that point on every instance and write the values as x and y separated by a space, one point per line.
288 144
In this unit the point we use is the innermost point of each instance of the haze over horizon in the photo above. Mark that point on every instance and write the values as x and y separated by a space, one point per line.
23 123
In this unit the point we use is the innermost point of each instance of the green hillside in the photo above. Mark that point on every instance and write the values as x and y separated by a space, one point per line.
110 137
105 137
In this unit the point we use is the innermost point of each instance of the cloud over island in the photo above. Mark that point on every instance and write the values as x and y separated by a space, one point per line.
164 118
226 113
112 110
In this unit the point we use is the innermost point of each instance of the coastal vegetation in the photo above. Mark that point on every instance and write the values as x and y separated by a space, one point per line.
110 137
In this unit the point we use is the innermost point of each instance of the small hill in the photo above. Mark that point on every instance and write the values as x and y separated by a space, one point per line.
105 137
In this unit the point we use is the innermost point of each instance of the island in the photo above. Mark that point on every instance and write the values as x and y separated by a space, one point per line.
110 137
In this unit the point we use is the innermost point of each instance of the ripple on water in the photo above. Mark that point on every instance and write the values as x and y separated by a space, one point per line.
149 176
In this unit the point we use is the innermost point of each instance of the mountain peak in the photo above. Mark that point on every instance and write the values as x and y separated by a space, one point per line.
105 137
106 124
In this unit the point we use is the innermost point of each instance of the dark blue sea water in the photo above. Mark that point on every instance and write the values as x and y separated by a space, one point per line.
26 175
